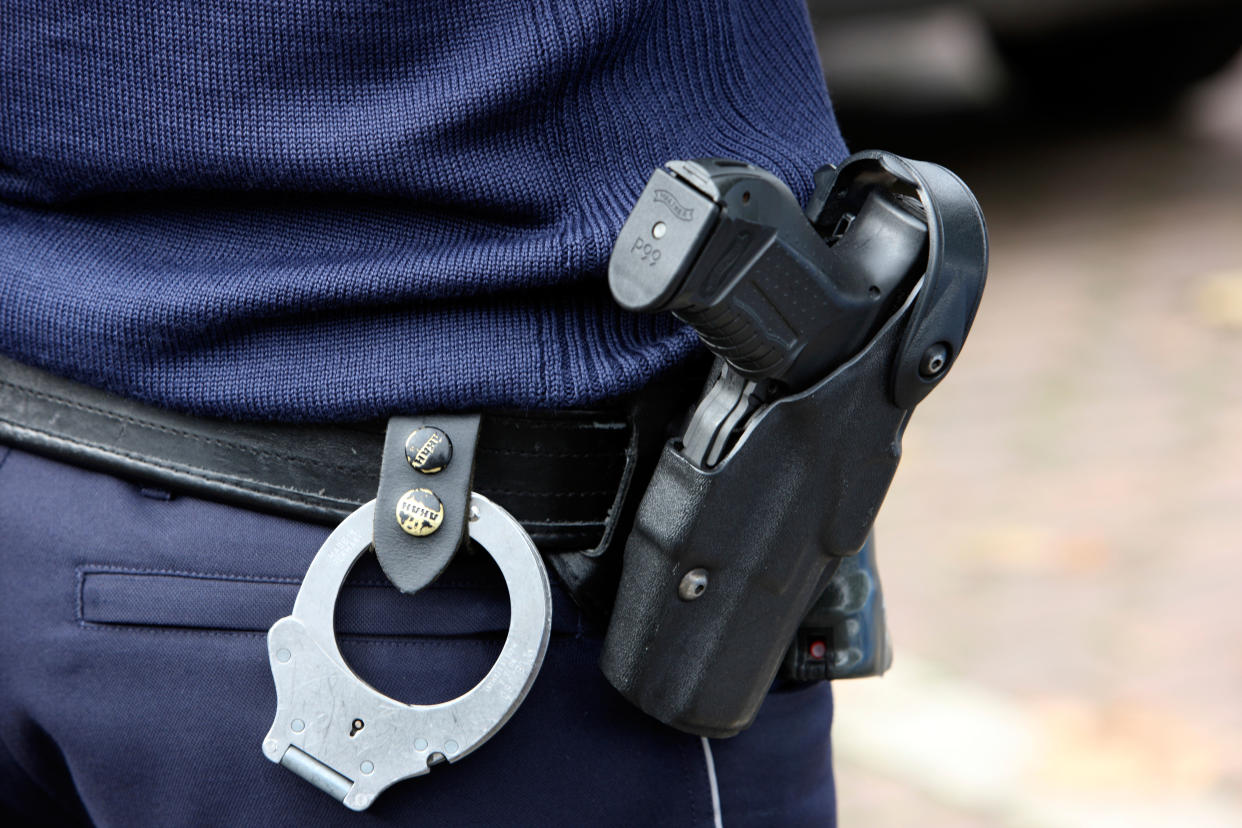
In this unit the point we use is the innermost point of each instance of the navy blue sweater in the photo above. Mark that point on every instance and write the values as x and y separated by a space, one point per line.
337 209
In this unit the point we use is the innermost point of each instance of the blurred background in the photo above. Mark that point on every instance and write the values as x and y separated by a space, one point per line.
1062 547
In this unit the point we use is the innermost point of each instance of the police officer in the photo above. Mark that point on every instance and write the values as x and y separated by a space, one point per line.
233 237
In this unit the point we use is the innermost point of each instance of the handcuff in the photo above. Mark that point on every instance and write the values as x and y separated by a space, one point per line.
350 740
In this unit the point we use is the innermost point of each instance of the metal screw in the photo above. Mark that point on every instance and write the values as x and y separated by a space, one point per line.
693 584
934 360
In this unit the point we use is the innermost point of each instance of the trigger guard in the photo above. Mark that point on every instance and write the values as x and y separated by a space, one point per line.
320 699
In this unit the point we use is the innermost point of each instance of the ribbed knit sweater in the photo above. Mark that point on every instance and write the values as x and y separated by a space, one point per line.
313 210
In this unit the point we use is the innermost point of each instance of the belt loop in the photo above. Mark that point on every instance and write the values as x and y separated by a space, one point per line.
423 502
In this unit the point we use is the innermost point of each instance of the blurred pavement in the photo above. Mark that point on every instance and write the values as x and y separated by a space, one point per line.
1062 547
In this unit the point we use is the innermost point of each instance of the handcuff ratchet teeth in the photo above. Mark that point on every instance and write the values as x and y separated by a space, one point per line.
344 736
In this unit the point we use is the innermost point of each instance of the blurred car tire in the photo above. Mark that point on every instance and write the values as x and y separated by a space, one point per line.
1131 62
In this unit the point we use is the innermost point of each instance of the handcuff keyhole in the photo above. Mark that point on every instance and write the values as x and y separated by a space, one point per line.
357 725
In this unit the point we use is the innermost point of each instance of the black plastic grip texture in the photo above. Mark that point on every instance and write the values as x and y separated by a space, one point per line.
780 303
728 249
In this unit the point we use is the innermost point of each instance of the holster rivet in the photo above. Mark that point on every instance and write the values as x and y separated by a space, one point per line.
419 512
693 584
934 361
428 449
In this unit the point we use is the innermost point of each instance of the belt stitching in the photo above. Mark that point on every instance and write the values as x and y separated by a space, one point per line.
176 432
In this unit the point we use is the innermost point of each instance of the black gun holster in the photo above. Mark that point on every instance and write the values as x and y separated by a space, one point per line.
769 525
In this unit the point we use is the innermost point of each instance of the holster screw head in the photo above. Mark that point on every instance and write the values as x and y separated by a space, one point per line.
693 584
934 361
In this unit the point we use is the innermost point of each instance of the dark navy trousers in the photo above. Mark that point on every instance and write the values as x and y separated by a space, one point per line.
135 687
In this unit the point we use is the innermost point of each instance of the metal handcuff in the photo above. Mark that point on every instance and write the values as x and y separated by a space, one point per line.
345 737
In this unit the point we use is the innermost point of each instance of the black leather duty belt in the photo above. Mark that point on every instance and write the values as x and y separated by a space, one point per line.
572 478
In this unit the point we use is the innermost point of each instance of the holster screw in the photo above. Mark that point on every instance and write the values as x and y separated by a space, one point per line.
693 584
934 361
